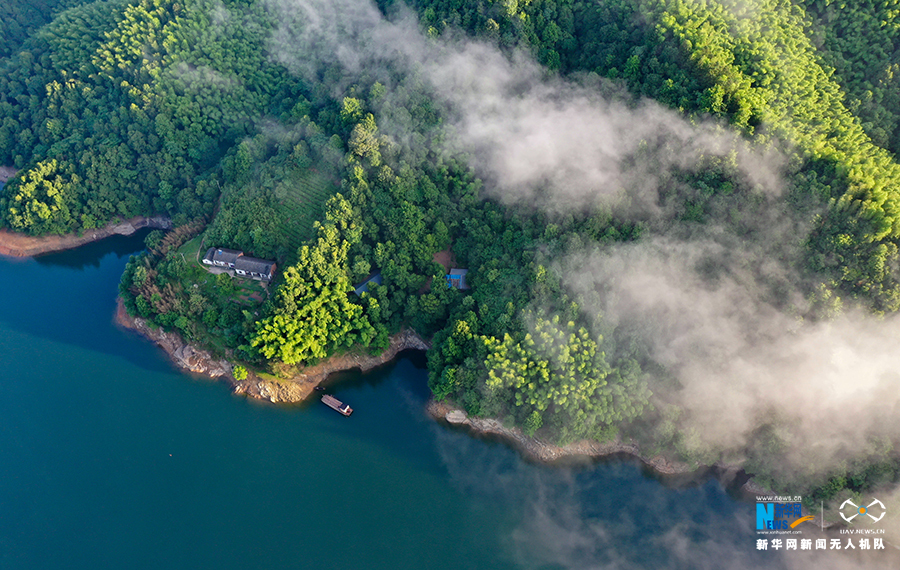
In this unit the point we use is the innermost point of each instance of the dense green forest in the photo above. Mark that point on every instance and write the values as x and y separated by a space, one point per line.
119 108
20 18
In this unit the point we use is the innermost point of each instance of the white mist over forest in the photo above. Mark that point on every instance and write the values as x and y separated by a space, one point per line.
722 315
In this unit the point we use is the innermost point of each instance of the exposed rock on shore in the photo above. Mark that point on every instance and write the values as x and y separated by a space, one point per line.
183 354
304 382
294 389
14 244
539 450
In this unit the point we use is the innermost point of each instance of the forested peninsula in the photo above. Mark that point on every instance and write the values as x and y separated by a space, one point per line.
665 222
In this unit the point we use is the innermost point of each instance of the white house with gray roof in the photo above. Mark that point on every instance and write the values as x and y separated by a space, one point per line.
243 265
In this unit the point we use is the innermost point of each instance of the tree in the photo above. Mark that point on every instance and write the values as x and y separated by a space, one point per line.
533 423
313 314
44 200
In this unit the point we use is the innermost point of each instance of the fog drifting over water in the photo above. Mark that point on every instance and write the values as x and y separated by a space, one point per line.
610 518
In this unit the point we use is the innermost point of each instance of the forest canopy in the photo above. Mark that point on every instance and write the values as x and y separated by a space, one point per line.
285 130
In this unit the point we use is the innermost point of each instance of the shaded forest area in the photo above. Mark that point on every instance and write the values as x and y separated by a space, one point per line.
20 18
118 108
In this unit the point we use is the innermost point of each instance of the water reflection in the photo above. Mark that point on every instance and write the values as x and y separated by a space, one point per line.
610 514
70 297
90 255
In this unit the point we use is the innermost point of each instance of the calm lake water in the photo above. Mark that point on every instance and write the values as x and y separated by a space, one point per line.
111 458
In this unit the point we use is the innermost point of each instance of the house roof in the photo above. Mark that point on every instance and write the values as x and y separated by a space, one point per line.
254 265
364 286
224 255
458 275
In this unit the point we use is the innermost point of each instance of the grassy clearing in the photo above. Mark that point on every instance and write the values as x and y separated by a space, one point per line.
302 197
191 250
272 215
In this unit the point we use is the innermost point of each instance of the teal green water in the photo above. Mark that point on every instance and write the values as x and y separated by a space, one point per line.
111 458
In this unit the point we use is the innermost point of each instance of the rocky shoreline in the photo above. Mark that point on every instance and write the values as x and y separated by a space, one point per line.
541 451
182 353
545 452
282 390
298 387
14 244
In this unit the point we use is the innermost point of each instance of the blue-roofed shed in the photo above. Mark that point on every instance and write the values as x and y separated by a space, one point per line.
363 287
457 278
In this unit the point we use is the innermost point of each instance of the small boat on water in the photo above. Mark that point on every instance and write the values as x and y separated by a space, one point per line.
337 405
